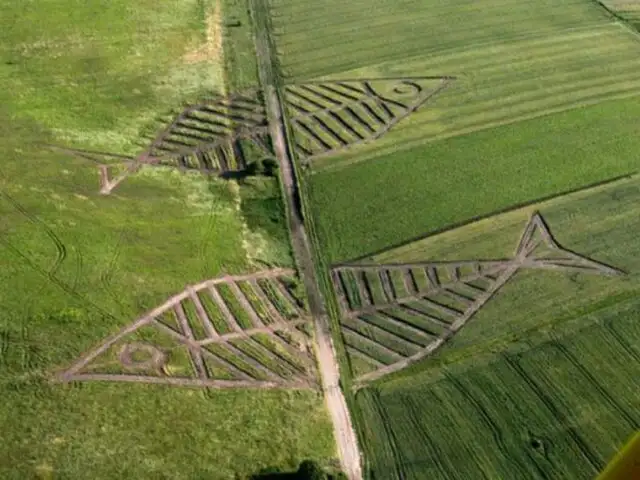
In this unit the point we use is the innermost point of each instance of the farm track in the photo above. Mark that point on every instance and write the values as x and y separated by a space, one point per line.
432 301
294 369
329 371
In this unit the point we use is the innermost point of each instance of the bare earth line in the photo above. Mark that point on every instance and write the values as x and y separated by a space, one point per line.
188 382
147 318
422 293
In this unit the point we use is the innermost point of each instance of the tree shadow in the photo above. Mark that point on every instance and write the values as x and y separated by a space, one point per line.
308 470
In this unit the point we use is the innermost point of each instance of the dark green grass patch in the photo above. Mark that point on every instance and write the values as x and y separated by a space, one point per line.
370 206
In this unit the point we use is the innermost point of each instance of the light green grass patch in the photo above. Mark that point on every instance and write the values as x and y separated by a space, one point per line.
134 431
78 266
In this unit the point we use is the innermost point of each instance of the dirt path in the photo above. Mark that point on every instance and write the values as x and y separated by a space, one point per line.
343 429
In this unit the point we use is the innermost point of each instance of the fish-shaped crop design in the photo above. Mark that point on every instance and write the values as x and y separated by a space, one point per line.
228 332
397 314
222 135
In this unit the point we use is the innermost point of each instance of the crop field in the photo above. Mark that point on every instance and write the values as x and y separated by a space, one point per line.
526 371
133 95
471 172
508 61
471 176
626 10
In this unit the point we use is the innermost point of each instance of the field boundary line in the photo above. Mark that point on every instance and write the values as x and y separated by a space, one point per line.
478 218
270 80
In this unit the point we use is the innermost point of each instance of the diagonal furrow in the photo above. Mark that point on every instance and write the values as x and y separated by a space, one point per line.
226 313
271 309
364 338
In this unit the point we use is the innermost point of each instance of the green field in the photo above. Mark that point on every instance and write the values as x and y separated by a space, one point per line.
543 101
77 265
473 175
626 10
544 373
511 59
531 101
421 131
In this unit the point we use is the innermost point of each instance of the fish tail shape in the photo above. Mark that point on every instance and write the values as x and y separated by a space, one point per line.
538 249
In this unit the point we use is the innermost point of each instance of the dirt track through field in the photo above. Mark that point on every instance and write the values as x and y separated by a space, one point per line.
343 429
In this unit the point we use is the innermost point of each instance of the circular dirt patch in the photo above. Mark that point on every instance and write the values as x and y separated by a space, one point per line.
141 356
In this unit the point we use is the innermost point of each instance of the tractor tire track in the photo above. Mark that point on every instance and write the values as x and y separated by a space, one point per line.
487 420
61 250
594 460
53 279
439 458
107 274
393 440
596 385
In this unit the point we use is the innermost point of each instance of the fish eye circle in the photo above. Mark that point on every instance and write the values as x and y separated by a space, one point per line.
407 88
141 356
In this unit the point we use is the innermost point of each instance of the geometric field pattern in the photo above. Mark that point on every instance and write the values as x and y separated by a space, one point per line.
213 136
396 314
223 134
242 331
331 116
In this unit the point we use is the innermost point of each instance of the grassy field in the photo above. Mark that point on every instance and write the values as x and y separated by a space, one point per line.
511 60
527 373
468 176
77 265
627 10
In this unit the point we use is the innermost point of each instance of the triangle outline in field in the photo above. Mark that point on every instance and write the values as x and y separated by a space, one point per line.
538 249
84 369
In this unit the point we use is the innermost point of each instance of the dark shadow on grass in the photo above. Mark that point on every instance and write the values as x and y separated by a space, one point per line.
308 470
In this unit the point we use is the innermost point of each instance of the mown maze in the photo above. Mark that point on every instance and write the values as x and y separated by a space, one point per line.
328 117
546 372
213 136
512 60
396 314
228 332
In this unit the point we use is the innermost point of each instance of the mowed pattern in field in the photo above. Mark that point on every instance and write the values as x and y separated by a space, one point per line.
546 373
511 60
